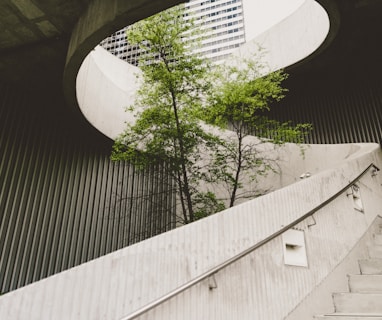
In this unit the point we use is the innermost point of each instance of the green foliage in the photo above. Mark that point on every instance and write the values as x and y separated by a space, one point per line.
242 95
167 126
177 93
206 203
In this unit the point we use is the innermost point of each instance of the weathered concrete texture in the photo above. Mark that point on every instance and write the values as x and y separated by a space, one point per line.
101 18
33 41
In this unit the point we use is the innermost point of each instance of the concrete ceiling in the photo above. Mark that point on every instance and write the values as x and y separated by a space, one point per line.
34 38
29 21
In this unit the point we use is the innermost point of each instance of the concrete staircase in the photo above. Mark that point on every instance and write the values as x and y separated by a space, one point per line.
364 299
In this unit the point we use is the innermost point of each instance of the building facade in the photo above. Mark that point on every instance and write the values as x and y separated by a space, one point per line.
221 23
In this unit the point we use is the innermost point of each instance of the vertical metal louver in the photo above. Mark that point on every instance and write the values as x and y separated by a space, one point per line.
62 201
353 115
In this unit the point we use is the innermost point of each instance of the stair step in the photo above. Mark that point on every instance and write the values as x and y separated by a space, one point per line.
375 251
365 303
371 266
343 316
377 239
365 283
379 229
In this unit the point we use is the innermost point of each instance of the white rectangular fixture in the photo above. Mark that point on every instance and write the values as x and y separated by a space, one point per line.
294 248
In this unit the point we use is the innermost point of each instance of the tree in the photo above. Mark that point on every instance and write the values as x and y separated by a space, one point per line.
243 93
167 126
177 94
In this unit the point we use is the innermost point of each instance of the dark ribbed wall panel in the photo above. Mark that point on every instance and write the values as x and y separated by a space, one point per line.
62 201
339 115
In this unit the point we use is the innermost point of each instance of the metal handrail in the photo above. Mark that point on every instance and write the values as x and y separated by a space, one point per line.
237 257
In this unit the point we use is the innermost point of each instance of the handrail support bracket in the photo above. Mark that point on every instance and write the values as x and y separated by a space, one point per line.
212 284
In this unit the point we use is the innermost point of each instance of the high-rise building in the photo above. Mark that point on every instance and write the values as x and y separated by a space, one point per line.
221 22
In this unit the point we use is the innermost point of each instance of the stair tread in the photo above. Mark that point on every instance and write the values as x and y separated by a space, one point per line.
365 283
371 266
347 316
375 251
378 239
355 293
354 314
358 302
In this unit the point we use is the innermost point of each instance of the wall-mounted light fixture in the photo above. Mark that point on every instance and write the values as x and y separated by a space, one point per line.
355 192
305 175
294 248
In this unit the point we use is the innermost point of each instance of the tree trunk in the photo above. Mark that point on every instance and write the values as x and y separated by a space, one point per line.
239 166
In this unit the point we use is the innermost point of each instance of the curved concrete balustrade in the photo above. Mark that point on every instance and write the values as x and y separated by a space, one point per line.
102 18
293 39
105 86
103 92
259 286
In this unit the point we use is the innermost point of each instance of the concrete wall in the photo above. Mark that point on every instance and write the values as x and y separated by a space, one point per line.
293 39
117 284
296 160
106 86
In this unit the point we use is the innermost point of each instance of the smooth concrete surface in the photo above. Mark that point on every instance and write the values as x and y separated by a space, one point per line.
365 283
347 317
371 266
375 252
358 303
378 239
106 86
293 39
115 285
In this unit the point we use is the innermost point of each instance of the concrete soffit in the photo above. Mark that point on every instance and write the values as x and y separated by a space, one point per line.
334 16
103 17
